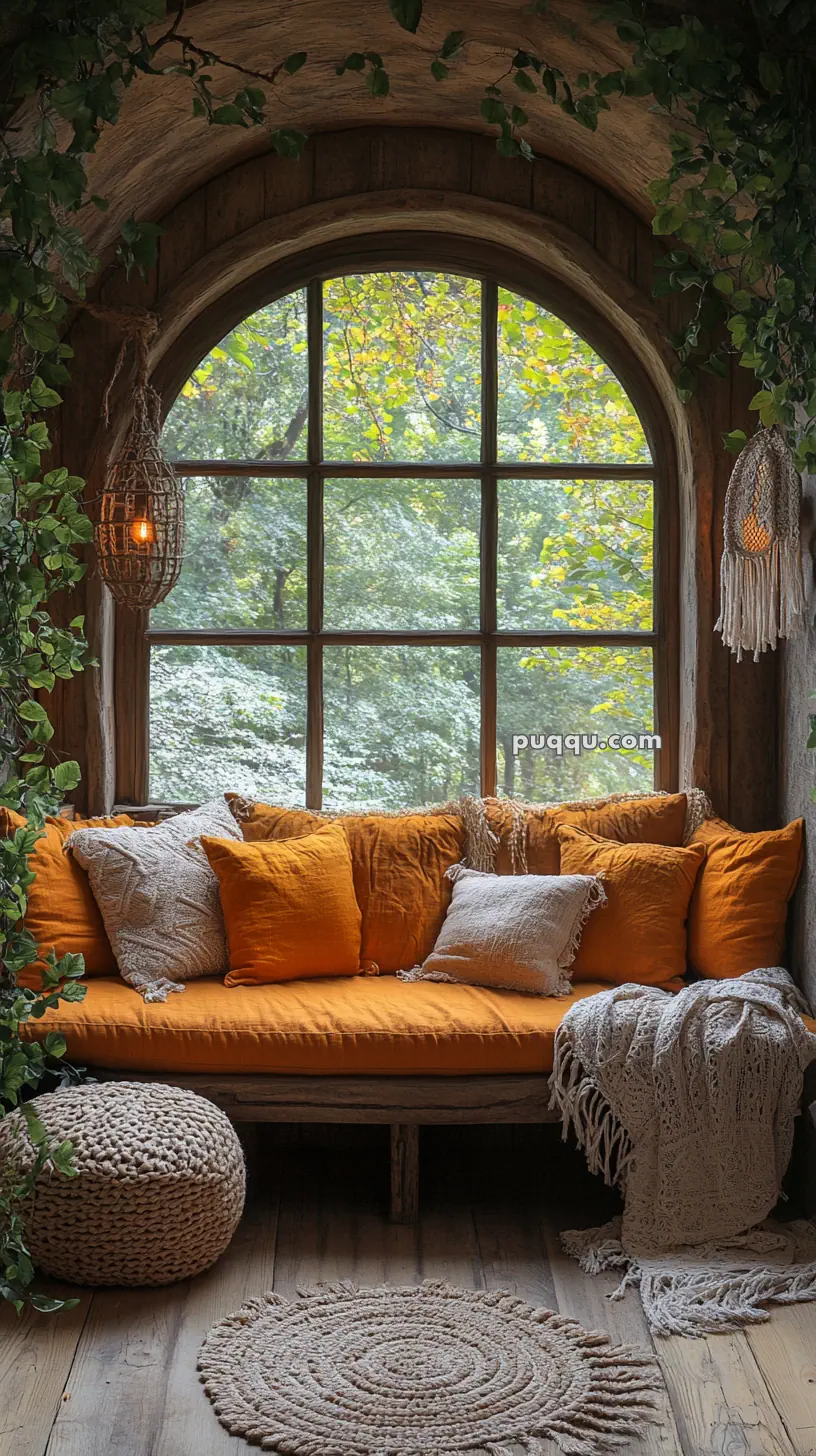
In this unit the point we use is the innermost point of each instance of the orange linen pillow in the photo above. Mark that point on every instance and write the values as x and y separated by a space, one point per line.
657 819
640 933
62 913
289 907
740 903
399 864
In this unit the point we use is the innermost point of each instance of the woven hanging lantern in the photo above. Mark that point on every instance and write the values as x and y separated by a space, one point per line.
762 593
139 533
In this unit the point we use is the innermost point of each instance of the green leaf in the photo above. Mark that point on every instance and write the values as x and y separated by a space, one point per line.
524 81
493 110
67 775
452 44
731 242
287 142
40 334
294 62
770 72
668 219
439 70
407 13
735 441
377 82
32 712
229 115
723 282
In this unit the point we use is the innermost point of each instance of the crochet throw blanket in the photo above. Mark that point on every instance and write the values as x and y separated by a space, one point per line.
687 1103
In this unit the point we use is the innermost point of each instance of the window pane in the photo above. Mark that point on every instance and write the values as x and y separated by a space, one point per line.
401 725
558 400
576 555
247 400
574 690
402 367
227 718
402 554
244 556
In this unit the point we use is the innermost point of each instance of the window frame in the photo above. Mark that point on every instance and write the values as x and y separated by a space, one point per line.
496 268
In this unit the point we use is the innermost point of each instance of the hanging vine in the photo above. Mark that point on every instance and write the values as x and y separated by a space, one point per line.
737 203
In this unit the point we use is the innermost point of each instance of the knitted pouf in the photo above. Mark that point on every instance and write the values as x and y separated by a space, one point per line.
159 1188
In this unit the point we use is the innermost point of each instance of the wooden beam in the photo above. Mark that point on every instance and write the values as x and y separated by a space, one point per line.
416 1100
410 470
258 636
404 1172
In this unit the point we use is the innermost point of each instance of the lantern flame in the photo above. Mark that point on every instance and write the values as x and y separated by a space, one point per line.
143 531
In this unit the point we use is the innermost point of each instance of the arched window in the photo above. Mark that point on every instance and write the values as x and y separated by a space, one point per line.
420 528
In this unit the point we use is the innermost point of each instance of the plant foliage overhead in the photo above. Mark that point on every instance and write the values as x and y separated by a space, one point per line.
737 204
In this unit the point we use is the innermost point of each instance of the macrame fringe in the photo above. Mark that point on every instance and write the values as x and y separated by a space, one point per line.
157 990
594 897
481 843
720 1299
698 809
762 598
585 1111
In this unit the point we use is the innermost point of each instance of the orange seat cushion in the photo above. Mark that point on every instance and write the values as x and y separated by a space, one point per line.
359 1025
640 933
399 864
289 906
658 819
740 904
62 914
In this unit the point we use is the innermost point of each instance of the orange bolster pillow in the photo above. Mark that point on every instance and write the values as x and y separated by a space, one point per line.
654 819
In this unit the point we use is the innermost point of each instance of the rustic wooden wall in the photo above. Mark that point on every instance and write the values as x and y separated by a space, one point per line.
227 246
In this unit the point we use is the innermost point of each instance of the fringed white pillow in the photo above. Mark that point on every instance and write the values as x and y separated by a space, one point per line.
159 898
512 932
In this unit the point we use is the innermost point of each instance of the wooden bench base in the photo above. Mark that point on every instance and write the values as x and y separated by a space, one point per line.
403 1102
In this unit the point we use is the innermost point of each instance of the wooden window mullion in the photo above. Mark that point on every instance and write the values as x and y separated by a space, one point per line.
489 536
314 552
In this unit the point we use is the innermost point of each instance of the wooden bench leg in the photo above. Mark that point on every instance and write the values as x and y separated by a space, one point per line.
404 1172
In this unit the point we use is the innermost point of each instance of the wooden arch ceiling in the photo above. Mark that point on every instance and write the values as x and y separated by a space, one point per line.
228 211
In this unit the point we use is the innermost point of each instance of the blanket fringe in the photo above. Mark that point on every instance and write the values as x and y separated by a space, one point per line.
585 1111
714 1300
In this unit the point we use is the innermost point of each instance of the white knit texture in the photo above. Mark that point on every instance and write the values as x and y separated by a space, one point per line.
687 1102
517 933
159 898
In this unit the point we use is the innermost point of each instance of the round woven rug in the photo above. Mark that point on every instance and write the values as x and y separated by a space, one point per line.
342 1371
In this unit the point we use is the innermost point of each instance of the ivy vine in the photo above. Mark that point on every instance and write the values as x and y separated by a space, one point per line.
736 204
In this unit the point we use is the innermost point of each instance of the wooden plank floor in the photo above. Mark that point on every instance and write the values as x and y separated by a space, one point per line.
117 1376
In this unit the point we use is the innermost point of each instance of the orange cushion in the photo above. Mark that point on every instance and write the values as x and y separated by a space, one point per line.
640 934
351 1025
399 865
62 914
289 907
653 820
355 1025
740 904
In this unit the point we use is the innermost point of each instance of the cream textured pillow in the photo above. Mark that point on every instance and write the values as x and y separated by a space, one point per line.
513 932
159 898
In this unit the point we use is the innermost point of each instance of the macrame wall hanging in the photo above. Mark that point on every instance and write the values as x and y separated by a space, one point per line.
762 593
139 531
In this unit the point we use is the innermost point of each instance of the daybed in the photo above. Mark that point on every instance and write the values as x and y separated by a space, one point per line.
367 1048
